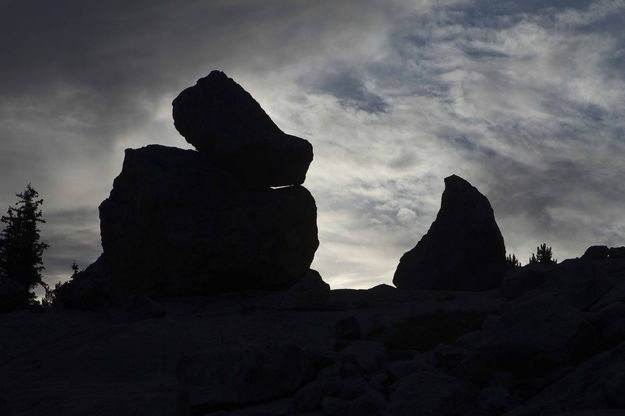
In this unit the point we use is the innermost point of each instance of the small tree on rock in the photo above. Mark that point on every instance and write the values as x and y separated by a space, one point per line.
512 260
543 255
21 249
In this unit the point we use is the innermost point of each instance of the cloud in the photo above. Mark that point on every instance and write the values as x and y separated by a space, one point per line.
524 102
349 91
524 99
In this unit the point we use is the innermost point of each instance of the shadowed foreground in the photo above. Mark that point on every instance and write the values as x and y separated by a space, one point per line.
548 347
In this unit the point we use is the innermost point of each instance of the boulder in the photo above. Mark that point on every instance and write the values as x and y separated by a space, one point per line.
596 253
582 282
429 393
230 128
369 356
12 295
347 330
308 398
233 376
142 307
333 406
370 403
533 335
611 322
519 281
598 383
89 289
311 292
613 270
617 252
463 250
175 224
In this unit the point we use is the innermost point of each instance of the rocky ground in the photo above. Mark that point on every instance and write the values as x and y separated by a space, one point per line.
550 341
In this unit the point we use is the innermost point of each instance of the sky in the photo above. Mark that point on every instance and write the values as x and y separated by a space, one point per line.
524 99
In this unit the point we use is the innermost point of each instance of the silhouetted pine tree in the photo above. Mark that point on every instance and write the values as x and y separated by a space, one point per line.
512 260
543 255
21 249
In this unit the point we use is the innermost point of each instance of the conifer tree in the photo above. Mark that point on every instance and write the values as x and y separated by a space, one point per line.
543 255
512 260
21 249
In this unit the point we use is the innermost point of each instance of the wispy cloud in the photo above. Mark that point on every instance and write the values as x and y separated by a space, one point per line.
526 100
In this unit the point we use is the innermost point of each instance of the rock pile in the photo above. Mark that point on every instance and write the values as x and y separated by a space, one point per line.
463 250
187 222
554 347
473 353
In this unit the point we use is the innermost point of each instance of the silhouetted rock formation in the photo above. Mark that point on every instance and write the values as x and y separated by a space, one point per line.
89 289
596 253
184 222
175 224
463 250
310 292
226 124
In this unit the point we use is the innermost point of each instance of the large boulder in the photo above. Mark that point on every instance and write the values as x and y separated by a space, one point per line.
596 253
88 289
225 123
463 250
519 281
581 282
598 383
233 376
532 335
311 292
175 224
429 393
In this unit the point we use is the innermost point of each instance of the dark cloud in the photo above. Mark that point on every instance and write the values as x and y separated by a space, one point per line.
350 91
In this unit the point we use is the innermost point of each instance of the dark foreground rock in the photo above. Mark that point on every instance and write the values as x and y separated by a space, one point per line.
518 281
533 335
310 292
89 289
596 386
142 307
373 352
231 377
463 250
175 224
429 393
229 127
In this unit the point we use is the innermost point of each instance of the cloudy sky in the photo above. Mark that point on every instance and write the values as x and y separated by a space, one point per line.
525 99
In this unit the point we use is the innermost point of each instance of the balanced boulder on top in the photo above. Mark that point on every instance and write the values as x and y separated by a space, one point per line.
463 250
226 124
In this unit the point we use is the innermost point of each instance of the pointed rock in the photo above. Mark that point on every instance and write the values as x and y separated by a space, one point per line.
463 250
226 124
